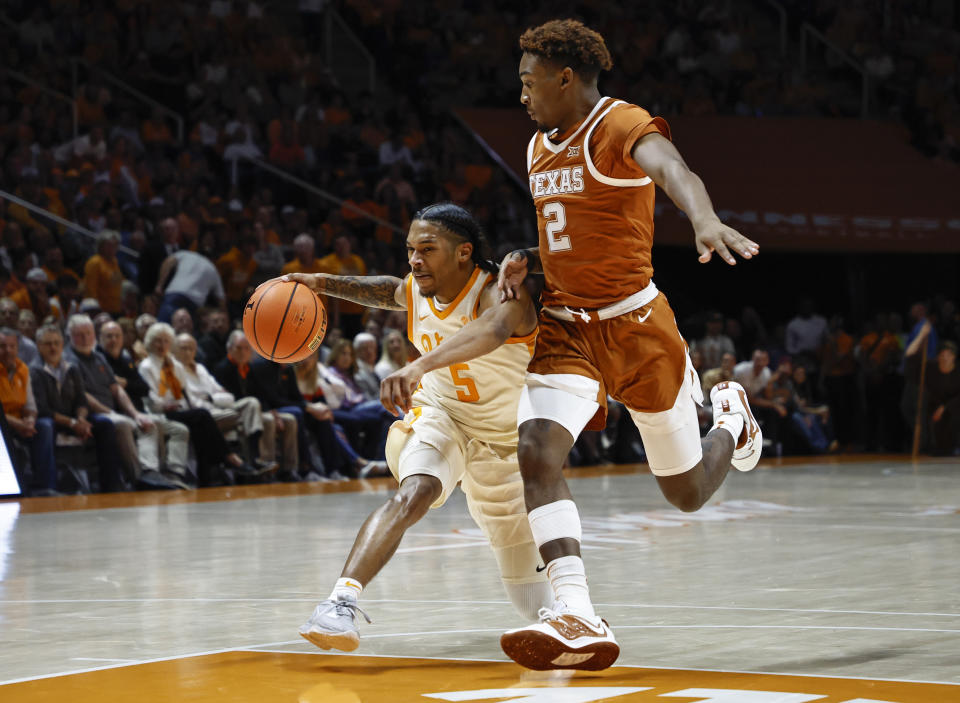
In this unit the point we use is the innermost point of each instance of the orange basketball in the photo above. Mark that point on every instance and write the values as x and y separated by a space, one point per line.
284 321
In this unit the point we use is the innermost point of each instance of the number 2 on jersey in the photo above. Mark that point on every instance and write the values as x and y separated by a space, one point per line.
470 395
556 218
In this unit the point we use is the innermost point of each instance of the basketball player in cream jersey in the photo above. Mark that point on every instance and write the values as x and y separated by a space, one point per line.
605 329
460 403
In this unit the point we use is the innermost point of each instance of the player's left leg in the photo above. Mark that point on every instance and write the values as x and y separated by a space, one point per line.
426 479
689 469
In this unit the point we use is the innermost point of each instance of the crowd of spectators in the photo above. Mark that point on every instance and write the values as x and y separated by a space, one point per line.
693 57
121 350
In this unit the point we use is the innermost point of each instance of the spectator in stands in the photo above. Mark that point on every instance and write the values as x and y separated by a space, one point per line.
812 419
348 316
20 410
351 408
213 339
395 151
235 375
268 256
35 298
839 374
165 377
27 325
102 278
138 435
193 280
339 456
754 375
304 261
60 396
943 400
231 413
181 321
365 351
806 333
879 356
715 343
155 253
723 372
10 319
394 356
236 269
68 296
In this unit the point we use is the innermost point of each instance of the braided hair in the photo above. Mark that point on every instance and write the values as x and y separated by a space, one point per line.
460 222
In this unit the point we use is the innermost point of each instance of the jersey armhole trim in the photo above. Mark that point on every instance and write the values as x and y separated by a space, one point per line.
408 285
594 172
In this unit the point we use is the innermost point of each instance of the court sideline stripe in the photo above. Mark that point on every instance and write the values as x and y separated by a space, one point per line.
476 602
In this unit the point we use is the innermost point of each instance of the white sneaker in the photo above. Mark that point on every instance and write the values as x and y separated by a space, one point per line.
562 640
729 398
333 625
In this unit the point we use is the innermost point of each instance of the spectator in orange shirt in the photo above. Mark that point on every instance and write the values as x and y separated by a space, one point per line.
236 268
102 277
879 354
359 200
347 315
35 297
839 373
457 187
287 152
305 261
155 131
53 265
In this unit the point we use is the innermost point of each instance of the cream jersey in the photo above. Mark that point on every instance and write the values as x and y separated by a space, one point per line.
481 395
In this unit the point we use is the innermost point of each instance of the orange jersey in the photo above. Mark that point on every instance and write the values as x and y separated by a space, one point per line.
594 207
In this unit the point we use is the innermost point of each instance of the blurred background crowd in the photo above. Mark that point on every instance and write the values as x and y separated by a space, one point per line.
183 152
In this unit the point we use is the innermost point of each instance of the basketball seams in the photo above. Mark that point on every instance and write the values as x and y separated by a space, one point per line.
256 339
283 319
310 330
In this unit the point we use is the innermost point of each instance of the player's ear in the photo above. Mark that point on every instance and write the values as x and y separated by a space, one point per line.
566 77
464 251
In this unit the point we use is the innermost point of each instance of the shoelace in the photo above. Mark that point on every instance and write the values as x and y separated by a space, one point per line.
345 607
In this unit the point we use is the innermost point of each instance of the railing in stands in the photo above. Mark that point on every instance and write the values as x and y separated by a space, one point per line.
23 78
310 188
808 30
123 85
60 221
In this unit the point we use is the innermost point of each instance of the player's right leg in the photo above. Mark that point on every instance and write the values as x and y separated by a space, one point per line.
426 479
569 635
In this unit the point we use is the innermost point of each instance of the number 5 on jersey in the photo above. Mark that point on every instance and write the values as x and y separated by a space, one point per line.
556 218
470 395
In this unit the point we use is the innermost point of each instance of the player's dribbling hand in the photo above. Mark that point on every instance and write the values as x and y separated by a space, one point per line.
314 281
396 390
512 272
717 237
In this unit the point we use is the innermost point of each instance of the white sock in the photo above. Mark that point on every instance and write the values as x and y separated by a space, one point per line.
559 520
731 423
569 580
347 589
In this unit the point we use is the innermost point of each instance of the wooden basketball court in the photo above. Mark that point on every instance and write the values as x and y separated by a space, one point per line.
832 581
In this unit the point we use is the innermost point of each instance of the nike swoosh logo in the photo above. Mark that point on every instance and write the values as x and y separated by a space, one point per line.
423 317
541 568
535 159
643 318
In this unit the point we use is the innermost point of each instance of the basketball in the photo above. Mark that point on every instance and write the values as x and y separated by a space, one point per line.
284 321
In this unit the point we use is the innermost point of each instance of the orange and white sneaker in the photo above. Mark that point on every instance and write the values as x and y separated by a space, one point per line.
562 640
729 398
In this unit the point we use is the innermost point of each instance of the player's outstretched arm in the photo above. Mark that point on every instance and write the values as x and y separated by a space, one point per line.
497 322
515 268
372 291
659 158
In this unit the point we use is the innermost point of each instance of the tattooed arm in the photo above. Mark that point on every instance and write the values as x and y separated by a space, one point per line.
373 291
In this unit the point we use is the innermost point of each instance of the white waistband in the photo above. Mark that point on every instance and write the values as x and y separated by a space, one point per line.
635 301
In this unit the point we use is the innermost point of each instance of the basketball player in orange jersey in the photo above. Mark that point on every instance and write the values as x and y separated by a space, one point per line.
604 328
460 399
